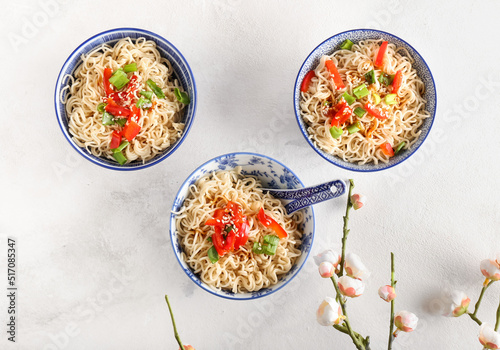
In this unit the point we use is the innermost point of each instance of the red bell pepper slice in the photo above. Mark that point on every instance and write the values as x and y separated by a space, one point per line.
242 235
304 87
135 114
396 82
218 242
374 111
379 61
229 242
387 149
216 219
105 79
131 130
339 84
342 116
132 87
115 140
113 108
269 222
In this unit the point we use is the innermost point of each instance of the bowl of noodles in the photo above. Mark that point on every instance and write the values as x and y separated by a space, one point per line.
125 99
234 239
365 100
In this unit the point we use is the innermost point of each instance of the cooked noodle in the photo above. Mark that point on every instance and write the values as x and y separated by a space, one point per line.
160 125
241 270
405 117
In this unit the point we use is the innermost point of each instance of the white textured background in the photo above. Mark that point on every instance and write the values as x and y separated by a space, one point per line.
94 254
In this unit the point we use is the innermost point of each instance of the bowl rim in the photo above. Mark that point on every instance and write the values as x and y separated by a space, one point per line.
80 150
323 153
172 230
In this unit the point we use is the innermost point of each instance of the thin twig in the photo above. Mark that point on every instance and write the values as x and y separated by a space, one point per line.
478 304
173 323
354 336
497 324
346 230
391 323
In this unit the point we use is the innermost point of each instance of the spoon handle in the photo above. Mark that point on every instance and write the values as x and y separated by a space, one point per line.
304 197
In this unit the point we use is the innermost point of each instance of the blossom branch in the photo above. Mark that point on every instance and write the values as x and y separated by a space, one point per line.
497 324
346 230
177 337
391 323
478 304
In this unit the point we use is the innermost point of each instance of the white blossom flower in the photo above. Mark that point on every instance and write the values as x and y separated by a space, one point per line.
387 293
488 337
326 269
355 268
358 201
351 287
405 321
329 312
328 255
455 303
490 269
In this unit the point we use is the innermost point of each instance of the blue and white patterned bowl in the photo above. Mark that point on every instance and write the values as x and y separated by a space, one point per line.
272 174
331 45
182 72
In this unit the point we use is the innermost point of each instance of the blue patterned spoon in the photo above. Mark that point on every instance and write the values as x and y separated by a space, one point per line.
304 197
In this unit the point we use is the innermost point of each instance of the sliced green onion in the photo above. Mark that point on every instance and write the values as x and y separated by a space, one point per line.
132 67
152 85
209 239
376 98
213 255
360 112
361 91
348 98
370 77
229 228
390 99
346 45
101 106
386 79
147 94
257 248
121 147
121 121
336 132
119 79
144 103
270 249
181 96
354 128
271 239
120 158
107 119
399 148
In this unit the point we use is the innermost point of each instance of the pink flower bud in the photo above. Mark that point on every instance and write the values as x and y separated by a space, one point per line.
455 303
329 312
328 255
406 321
187 347
488 337
351 287
490 269
355 268
326 269
387 293
358 201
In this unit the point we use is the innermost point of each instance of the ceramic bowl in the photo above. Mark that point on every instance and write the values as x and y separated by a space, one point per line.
272 174
331 45
182 72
